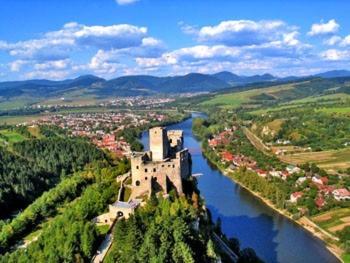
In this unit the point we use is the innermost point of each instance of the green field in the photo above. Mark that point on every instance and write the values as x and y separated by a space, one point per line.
236 99
320 100
339 110
10 136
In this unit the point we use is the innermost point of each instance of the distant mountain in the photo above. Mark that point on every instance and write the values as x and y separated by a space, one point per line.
90 85
45 87
334 74
234 79
143 85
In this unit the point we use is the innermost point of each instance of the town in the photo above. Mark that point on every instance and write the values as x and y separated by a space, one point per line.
101 127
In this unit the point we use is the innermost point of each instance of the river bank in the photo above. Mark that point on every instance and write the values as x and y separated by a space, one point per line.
303 222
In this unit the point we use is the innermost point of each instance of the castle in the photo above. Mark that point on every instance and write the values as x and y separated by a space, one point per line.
163 167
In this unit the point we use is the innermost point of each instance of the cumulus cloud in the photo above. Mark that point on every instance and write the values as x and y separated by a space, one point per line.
345 42
53 65
242 32
191 54
335 54
126 2
333 40
57 45
15 66
50 74
330 27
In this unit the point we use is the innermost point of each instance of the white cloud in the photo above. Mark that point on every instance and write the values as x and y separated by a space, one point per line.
345 42
16 66
333 40
53 65
51 74
330 27
243 32
57 45
126 2
191 54
335 55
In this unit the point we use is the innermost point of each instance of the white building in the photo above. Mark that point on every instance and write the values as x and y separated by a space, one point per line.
341 194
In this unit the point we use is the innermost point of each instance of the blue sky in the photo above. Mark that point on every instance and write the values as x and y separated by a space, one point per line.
59 39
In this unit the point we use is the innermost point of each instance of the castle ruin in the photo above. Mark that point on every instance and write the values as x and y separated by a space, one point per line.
164 166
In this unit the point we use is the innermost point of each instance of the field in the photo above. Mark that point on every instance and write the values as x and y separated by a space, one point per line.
12 120
237 99
15 103
334 220
320 100
338 110
329 160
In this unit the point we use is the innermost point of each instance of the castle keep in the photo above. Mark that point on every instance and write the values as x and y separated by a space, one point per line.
163 167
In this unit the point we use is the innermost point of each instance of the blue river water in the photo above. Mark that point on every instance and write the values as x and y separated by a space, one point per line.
274 237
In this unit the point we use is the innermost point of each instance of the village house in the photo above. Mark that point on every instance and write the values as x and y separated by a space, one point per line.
227 157
293 169
261 173
285 175
320 202
276 174
320 180
295 196
341 194
300 180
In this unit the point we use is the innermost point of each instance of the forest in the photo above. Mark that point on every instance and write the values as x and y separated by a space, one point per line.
29 167
69 236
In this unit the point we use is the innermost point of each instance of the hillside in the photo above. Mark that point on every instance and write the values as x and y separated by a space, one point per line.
89 88
281 94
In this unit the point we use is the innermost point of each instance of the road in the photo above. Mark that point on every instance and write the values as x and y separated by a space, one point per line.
103 249
225 248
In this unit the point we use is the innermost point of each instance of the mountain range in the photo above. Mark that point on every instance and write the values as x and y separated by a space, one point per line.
139 84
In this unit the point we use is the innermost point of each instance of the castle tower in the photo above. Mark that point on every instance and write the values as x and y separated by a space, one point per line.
158 142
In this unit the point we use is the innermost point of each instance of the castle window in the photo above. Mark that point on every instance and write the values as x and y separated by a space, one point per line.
154 170
146 178
137 167
137 183
146 170
162 165
173 165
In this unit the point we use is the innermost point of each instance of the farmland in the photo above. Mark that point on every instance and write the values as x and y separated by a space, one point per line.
237 99
334 220
329 160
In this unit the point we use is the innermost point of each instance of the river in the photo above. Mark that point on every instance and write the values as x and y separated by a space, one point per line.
274 237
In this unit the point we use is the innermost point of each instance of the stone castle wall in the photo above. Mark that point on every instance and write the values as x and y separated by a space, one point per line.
164 166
